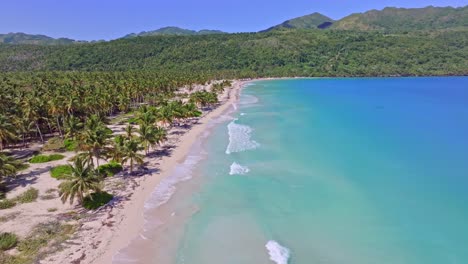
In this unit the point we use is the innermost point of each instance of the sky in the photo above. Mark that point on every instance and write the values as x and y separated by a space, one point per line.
111 19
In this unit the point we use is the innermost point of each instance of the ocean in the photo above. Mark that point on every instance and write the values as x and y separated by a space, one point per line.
326 170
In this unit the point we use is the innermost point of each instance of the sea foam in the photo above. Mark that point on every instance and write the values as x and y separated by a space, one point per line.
237 169
239 138
167 187
278 253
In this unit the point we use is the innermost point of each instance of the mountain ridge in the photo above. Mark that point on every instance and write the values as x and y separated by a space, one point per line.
387 19
171 30
311 21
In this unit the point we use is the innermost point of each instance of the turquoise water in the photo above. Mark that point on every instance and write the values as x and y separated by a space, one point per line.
355 171
336 171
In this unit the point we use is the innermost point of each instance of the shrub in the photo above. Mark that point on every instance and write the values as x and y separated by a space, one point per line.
70 145
96 200
61 172
54 144
51 210
28 196
23 166
46 158
6 203
7 241
110 169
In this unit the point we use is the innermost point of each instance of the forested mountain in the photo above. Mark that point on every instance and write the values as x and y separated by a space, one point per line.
402 19
376 43
22 38
278 53
173 31
312 21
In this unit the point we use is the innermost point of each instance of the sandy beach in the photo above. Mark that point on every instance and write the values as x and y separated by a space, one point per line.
112 228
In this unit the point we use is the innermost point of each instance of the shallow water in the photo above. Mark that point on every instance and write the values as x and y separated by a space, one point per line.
329 171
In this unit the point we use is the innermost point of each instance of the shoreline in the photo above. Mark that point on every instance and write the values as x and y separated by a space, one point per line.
132 212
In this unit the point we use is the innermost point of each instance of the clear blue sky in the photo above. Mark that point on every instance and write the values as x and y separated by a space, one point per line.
110 19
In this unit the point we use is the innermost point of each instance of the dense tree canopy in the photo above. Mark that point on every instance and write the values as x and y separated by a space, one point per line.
277 53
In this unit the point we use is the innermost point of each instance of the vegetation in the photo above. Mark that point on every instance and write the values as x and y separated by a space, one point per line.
61 172
393 19
96 200
45 239
110 169
269 54
8 166
46 158
6 204
7 241
54 144
70 145
22 38
83 180
29 196
312 21
174 31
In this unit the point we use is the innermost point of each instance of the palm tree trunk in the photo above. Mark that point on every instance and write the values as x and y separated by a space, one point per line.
58 126
39 131
131 166
97 161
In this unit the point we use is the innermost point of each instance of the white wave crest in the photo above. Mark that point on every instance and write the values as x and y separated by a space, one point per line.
237 169
166 188
248 100
278 253
239 138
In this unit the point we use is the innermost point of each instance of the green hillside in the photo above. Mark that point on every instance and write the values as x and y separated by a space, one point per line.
22 38
173 31
402 19
312 21
278 53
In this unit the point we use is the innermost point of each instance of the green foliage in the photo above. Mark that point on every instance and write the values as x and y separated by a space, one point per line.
22 38
96 200
204 98
23 166
70 145
277 53
7 241
110 169
61 172
393 19
6 204
173 31
46 158
29 196
8 167
312 21
83 181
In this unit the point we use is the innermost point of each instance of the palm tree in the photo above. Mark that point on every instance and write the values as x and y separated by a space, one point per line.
147 136
129 130
83 180
160 134
72 126
116 151
130 153
8 166
6 131
94 141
